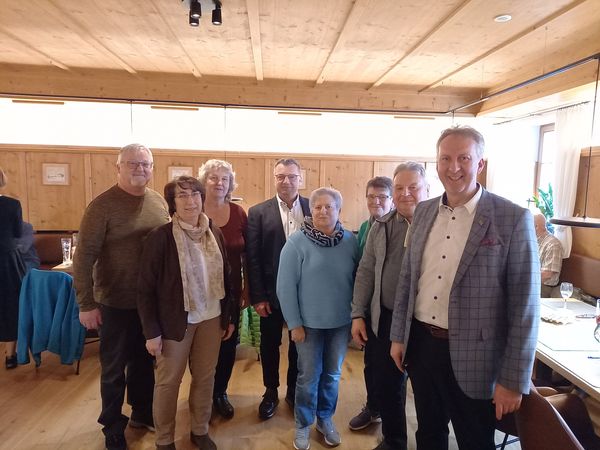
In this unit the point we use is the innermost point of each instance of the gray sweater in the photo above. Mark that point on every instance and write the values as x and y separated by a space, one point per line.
377 275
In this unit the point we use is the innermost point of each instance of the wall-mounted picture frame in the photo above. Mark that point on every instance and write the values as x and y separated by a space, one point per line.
55 174
302 184
179 171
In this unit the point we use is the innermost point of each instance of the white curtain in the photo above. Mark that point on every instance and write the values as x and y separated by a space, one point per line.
506 144
572 131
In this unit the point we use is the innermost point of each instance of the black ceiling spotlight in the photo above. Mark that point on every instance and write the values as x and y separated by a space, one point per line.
217 19
195 9
194 21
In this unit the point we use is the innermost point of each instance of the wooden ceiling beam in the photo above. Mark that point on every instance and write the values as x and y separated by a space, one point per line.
419 44
502 45
63 16
350 23
32 49
120 86
254 23
188 59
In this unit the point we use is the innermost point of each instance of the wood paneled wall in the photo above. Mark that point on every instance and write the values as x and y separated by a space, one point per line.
586 241
92 171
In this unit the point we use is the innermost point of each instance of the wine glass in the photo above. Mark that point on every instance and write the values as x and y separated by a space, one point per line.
566 290
597 329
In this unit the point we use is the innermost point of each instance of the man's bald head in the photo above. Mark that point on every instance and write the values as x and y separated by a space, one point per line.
539 221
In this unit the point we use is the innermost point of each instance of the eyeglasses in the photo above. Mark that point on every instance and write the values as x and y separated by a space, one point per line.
292 178
215 179
134 164
382 198
186 195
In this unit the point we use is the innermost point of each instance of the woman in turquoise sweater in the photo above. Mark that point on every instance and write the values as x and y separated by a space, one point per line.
314 287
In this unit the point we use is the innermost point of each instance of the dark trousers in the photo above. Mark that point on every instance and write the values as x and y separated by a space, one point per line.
225 363
439 399
369 373
127 364
271 328
391 385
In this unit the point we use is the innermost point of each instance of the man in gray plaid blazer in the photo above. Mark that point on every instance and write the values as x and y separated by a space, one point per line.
467 305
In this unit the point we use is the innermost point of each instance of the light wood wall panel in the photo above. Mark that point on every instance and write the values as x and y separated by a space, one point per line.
52 206
349 177
249 175
14 166
586 241
103 172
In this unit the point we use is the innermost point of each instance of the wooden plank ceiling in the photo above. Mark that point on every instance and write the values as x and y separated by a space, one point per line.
401 55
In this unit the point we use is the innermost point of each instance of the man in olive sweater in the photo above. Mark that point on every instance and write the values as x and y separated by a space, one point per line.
105 265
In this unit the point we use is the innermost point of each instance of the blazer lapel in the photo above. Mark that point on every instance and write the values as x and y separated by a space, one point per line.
275 216
481 224
418 236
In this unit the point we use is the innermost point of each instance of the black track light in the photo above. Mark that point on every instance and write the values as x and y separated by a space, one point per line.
195 10
217 19
194 21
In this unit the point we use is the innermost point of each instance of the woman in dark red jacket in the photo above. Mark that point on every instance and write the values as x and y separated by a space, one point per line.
184 304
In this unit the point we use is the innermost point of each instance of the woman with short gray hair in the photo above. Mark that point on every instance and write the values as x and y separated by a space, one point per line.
314 286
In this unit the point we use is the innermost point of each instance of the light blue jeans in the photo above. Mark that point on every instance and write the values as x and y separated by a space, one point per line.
320 359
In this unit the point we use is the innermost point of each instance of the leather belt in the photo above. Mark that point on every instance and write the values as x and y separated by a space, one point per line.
436 332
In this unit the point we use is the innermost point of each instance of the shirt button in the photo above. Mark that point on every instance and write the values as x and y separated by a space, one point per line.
439 277
453 218
433 317
435 297
447 237
443 256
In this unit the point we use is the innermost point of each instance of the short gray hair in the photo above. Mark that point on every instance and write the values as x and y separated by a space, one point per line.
287 162
467 132
412 167
333 193
216 164
133 148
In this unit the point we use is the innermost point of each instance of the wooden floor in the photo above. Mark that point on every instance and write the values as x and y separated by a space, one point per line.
52 408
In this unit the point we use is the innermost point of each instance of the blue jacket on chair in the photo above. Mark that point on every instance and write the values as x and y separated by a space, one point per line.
49 318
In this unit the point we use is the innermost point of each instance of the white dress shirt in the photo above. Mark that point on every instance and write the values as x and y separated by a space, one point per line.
441 257
290 218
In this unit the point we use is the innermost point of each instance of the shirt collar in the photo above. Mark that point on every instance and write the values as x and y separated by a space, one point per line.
470 206
294 203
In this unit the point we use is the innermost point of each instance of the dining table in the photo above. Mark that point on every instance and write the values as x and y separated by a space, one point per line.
566 342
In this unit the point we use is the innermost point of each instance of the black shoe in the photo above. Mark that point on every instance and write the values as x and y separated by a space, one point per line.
269 403
11 362
222 406
203 442
115 442
290 399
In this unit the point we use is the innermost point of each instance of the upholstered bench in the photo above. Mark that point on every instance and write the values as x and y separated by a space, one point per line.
48 247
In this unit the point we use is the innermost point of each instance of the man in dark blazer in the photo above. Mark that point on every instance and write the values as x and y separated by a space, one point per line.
466 313
269 225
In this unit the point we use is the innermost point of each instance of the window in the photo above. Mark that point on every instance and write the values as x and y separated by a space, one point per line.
544 165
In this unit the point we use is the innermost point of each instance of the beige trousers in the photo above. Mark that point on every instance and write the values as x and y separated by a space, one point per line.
199 348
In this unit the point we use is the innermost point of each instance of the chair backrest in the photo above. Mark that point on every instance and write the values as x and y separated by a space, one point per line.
541 427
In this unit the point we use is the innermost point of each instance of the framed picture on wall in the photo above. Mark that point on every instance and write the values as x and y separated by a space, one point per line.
178 171
55 174
302 184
